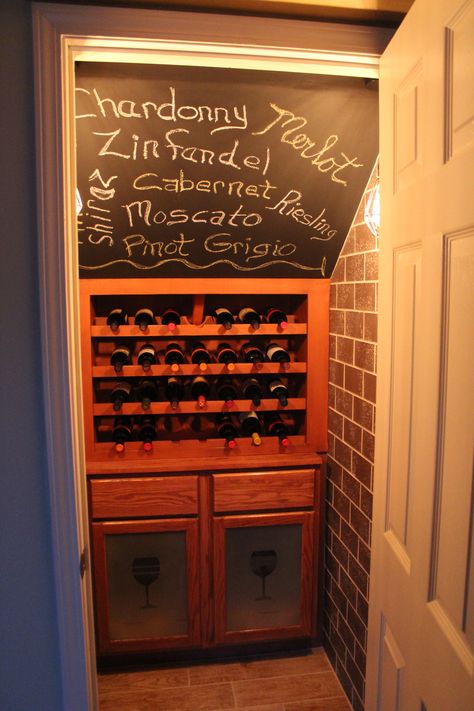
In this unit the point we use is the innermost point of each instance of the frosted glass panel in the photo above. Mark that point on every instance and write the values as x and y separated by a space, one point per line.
147 584
263 567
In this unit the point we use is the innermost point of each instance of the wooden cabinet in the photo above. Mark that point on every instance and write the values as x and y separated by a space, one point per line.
240 561
196 544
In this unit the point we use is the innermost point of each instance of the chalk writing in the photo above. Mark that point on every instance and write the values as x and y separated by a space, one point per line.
224 118
182 183
302 144
195 168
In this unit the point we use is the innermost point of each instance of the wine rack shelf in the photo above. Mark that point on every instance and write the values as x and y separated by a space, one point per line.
188 407
188 429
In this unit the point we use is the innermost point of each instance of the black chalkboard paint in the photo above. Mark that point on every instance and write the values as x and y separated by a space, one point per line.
189 171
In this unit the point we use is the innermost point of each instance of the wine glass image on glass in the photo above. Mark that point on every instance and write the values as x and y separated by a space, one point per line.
146 571
263 563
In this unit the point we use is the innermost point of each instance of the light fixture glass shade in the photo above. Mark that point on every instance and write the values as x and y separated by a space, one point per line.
372 210
78 202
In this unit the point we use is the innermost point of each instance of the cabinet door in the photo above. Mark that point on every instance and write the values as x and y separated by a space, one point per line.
263 576
146 584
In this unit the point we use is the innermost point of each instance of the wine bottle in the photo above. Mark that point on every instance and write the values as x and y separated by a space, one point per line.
251 426
174 356
147 392
121 355
227 430
226 355
252 354
223 317
121 432
174 391
117 318
277 354
251 389
249 315
170 318
279 390
144 318
147 356
200 356
120 394
200 390
277 428
277 316
147 432
226 391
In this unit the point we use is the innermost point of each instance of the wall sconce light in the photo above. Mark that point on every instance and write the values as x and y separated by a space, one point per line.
372 209
78 202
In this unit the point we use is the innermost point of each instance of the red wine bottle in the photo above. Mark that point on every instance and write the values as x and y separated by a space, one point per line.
227 430
277 428
252 354
121 355
223 317
174 391
200 356
147 392
279 390
117 318
251 389
251 426
226 391
120 394
277 316
249 315
226 355
144 318
147 356
147 432
174 356
277 354
121 432
200 390
170 318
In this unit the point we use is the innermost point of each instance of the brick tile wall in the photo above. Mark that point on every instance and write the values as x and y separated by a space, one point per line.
352 381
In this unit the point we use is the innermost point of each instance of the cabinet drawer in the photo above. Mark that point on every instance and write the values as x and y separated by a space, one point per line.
145 496
265 490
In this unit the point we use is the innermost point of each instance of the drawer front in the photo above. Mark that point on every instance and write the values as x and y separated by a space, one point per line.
145 496
258 491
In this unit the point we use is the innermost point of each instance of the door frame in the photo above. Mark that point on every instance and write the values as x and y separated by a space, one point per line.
62 34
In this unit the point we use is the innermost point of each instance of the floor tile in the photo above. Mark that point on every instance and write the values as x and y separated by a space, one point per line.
205 697
148 680
281 689
339 703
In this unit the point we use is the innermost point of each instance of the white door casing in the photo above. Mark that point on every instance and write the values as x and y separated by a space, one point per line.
421 621
63 34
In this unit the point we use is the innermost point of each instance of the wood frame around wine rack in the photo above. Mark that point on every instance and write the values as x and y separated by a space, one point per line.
309 324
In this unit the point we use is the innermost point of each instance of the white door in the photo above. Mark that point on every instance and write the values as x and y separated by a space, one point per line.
421 626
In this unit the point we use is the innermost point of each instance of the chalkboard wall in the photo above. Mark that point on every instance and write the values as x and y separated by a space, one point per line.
187 171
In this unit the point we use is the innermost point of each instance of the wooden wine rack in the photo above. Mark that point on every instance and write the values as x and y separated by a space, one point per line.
186 438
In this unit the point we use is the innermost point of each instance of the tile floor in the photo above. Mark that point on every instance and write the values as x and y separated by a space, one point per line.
303 682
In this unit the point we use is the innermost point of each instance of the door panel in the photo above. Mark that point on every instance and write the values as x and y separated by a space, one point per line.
421 646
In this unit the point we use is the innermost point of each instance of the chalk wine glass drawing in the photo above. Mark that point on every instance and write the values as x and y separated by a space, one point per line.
146 571
263 563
